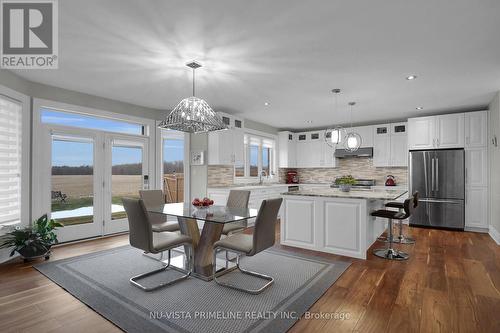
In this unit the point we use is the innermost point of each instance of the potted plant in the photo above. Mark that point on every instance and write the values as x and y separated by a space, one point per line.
32 242
345 182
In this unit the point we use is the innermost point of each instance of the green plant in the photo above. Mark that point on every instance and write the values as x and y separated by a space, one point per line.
38 238
345 180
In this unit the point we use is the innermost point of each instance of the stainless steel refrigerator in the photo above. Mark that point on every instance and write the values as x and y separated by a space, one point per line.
439 177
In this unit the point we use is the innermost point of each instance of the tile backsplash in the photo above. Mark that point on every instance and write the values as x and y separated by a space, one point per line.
220 175
359 167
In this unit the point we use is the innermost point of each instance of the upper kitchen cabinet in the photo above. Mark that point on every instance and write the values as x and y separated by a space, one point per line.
366 133
399 145
436 132
450 131
422 133
390 145
312 151
227 147
476 129
381 145
287 149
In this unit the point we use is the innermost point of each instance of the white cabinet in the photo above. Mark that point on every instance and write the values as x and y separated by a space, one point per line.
390 145
476 167
399 145
366 133
450 131
312 151
436 132
476 129
287 149
476 207
226 147
422 133
381 145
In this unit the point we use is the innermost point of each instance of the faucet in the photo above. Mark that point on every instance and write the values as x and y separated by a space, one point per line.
263 172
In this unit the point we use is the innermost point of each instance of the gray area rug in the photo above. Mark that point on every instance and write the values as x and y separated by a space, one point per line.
101 280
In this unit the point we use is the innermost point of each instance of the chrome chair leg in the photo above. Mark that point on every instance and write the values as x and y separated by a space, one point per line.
133 280
389 252
244 271
402 239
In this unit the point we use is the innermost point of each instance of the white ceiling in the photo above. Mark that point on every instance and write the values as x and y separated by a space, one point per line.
288 53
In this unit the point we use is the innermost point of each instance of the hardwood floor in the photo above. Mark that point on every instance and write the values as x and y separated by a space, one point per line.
451 283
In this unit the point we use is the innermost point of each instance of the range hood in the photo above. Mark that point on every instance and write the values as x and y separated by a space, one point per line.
361 152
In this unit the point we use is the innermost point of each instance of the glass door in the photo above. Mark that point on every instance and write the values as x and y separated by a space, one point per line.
74 185
127 170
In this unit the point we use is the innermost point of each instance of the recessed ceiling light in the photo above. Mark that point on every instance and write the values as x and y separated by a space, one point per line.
411 77
419 108
266 103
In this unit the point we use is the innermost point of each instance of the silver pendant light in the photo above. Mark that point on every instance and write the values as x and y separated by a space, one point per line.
193 114
353 140
335 135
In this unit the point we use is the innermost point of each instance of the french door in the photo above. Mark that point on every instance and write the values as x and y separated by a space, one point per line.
126 173
89 173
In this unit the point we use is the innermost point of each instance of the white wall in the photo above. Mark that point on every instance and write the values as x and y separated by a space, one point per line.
494 155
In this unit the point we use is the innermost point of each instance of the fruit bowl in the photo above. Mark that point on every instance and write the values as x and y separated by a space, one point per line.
202 203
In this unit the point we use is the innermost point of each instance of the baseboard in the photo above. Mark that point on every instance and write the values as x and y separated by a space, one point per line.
494 234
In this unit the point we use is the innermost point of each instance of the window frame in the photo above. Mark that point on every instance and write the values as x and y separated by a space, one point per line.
260 137
160 135
25 193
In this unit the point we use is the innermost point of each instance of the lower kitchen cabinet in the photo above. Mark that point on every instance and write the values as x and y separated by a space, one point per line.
476 207
257 194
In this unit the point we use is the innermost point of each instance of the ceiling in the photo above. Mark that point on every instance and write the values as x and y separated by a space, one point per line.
287 53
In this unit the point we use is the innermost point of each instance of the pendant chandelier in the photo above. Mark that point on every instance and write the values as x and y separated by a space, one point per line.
334 136
193 114
353 140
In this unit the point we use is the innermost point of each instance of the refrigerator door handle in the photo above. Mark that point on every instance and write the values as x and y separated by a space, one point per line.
442 201
432 174
437 175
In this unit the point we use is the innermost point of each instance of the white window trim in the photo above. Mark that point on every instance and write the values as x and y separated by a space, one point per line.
271 178
40 150
24 100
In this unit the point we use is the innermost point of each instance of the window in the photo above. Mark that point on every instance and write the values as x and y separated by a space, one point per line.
173 165
10 160
51 116
259 158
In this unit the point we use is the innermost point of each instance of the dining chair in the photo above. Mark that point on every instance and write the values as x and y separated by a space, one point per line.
264 236
160 223
142 236
236 199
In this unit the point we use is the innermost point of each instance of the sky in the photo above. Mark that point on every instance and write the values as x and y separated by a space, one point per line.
71 153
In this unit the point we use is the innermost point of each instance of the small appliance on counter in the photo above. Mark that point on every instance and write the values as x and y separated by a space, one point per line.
291 177
390 181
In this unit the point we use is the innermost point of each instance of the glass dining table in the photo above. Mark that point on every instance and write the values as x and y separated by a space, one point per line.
214 218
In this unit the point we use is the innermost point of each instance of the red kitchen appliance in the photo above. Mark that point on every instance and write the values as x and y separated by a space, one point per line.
390 181
291 177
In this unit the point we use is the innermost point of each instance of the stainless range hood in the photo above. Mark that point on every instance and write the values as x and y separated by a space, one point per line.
361 152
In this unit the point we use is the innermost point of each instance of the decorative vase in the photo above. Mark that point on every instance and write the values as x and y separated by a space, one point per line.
345 187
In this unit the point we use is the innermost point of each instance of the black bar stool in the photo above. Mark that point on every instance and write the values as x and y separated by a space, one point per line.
402 239
389 252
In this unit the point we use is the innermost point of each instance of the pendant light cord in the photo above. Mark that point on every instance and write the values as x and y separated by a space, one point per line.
193 82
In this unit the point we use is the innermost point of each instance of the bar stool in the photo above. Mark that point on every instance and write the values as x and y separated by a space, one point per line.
389 252
402 239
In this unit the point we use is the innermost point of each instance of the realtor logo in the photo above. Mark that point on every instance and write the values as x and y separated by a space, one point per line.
29 34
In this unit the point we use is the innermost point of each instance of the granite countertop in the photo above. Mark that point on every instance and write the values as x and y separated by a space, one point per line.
373 194
248 186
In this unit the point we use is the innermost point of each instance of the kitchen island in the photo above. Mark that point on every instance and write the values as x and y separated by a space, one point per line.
332 221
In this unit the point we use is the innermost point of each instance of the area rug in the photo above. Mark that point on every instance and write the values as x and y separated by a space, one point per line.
101 281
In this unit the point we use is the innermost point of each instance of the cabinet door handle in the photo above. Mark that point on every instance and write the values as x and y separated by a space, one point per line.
466 177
